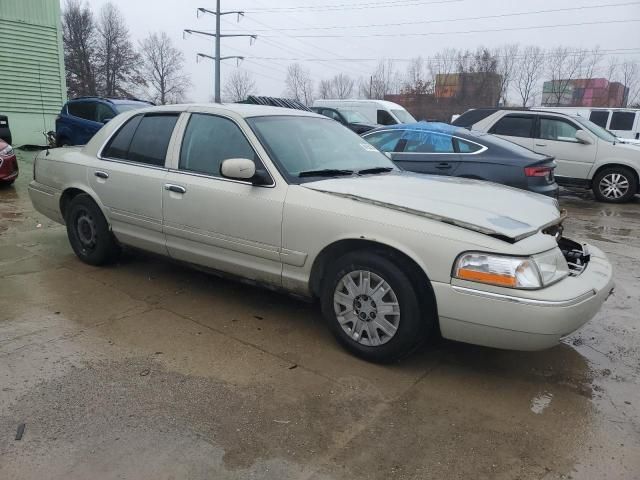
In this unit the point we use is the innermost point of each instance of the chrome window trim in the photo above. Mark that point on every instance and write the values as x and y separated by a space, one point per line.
138 164
483 148
525 301
219 177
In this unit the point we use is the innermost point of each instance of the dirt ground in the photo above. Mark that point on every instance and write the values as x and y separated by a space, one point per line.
151 370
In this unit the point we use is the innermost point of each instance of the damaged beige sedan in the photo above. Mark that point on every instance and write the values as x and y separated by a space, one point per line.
295 201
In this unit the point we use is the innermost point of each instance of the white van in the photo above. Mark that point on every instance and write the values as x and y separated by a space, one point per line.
622 122
376 111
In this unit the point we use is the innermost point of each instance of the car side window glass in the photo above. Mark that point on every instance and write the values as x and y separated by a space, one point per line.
151 139
208 141
385 118
622 121
558 130
118 146
103 112
84 110
514 126
417 141
599 117
385 141
467 147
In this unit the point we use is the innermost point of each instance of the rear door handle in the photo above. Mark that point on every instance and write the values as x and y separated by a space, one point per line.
541 144
175 188
443 165
101 174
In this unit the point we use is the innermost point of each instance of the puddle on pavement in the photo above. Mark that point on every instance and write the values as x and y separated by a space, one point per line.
540 402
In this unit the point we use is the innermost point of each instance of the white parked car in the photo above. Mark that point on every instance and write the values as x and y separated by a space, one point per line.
587 155
380 112
624 123
295 201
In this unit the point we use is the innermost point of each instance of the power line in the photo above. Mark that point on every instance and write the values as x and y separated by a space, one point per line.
460 32
459 19
353 6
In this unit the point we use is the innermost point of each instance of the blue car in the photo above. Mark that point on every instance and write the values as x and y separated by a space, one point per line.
441 149
82 117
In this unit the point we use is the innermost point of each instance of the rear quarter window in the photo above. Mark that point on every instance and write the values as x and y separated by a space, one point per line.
622 121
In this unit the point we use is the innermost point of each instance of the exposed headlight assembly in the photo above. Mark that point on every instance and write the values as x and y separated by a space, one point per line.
6 151
533 272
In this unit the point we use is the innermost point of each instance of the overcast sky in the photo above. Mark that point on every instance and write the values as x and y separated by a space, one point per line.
275 40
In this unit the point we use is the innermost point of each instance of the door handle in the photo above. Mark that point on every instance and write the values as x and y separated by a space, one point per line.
443 165
101 174
541 144
175 188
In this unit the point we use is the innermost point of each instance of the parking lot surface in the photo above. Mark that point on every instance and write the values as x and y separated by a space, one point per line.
150 369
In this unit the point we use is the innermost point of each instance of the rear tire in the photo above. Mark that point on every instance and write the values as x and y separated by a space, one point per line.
615 185
89 233
373 308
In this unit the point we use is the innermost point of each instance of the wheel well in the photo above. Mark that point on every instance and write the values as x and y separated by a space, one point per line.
68 195
342 247
619 165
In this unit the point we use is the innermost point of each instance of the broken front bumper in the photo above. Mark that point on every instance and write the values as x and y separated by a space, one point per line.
524 320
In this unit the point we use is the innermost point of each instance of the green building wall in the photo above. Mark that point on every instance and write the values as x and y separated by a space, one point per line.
32 76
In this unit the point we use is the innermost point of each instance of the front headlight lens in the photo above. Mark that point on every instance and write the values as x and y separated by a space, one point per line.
6 151
512 272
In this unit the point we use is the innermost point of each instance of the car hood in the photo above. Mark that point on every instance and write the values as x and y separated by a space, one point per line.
503 212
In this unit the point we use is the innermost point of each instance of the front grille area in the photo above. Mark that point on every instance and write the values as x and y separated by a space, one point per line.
576 254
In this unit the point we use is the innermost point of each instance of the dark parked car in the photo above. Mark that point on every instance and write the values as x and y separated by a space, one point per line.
441 149
81 118
5 133
349 118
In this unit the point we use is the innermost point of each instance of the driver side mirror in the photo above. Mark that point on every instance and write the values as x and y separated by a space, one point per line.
583 137
244 169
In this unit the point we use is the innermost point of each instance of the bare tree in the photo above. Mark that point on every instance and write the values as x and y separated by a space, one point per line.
416 81
563 67
528 73
163 65
342 86
630 77
299 84
79 40
324 89
117 60
507 56
384 81
239 85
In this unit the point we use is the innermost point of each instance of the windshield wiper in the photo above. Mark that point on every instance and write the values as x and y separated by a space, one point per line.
375 170
327 172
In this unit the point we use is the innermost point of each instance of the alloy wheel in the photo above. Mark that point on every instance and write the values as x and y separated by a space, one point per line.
614 186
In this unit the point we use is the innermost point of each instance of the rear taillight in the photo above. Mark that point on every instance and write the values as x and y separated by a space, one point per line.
538 171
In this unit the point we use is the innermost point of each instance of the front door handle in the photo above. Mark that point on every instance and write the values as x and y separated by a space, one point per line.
443 165
175 188
541 144
101 174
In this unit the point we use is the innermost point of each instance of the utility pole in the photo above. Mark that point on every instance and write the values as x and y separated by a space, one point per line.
217 58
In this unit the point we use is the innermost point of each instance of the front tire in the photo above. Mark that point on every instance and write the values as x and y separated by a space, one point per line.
373 308
89 233
615 185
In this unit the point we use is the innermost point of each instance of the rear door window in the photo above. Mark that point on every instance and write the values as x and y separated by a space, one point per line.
622 121
84 110
143 139
209 140
104 112
514 126
385 141
558 129
599 117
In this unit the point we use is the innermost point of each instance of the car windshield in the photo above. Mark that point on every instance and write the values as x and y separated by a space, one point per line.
306 148
597 130
353 117
403 116
125 107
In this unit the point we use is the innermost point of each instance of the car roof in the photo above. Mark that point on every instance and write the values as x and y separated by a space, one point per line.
241 109
437 127
114 101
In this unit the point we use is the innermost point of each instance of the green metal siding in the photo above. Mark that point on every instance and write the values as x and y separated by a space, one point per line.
32 81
